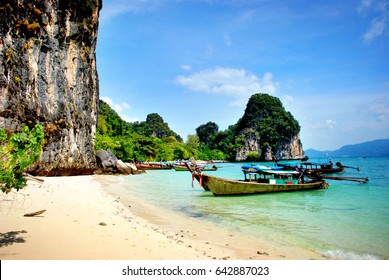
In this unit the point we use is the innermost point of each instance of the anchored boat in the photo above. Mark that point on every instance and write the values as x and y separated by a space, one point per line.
316 167
205 168
259 181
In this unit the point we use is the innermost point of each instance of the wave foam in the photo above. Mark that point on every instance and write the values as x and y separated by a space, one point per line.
343 255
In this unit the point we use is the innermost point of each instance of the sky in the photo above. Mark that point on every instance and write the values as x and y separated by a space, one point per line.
195 61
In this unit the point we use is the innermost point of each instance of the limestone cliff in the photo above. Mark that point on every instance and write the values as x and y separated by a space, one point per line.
48 75
292 149
268 130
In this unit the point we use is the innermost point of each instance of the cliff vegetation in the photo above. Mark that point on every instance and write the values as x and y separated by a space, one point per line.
266 131
150 140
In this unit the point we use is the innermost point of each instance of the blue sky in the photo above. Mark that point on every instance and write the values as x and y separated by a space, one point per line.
197 61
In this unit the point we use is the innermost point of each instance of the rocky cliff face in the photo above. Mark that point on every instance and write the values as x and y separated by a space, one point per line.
292 149
48 75
289 150
268 130
249 143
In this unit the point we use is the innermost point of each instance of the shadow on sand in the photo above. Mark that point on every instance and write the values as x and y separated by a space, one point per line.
11 237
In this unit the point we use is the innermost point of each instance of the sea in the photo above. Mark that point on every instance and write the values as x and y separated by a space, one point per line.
347 221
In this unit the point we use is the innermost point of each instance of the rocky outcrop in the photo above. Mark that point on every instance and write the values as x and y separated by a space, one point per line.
108 163
249 143
48 76
268 130
292 149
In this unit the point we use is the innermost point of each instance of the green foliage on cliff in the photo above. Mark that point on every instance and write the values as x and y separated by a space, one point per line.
265 120
17 152
215 144
151 140
156 127
207 132
81 8
109 122
266 115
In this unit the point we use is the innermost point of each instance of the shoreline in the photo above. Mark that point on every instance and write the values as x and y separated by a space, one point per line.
89 218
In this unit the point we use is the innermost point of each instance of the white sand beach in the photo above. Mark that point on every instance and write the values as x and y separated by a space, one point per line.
86 219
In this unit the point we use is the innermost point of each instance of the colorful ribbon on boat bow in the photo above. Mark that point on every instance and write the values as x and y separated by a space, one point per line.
193 176
200 180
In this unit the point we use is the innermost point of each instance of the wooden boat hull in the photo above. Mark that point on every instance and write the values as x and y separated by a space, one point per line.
153 167
326 171
184 168
180 168
220 186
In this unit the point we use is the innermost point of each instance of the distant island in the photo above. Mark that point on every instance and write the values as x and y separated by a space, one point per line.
375 148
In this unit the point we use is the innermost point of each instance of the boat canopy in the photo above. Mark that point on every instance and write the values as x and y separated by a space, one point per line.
273 172
279 172
253 167
315 163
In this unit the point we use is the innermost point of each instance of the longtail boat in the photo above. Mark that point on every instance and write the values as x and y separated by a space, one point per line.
184 168
153 166
260 181
316 168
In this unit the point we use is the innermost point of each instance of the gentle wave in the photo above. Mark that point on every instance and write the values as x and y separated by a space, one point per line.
343 255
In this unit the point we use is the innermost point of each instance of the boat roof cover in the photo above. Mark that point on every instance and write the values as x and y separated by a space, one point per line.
276 172
281 172
315 163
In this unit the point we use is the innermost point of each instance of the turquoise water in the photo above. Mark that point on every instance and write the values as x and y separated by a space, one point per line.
348 220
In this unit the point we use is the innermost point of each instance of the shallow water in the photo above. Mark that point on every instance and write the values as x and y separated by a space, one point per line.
348 220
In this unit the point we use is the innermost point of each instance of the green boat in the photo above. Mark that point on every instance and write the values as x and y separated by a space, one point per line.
261 181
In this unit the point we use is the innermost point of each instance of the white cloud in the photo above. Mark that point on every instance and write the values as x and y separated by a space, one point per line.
326 124
107 100
239 84
379 23
126 105
129 119
118 107
186 67
364 5
377 28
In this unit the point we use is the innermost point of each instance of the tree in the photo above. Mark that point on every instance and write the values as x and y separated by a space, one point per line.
206 132
156 126
265 119
253 156
193 141
17 152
